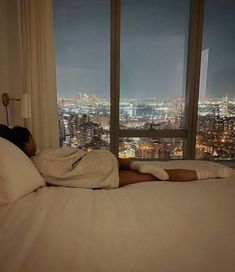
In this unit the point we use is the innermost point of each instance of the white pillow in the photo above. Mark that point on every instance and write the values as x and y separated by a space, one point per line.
18 175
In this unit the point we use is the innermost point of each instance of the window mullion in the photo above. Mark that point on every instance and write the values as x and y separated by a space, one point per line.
115 75
193 76
151 133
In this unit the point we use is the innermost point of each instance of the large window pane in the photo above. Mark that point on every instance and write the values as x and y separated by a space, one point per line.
82 32
216 109
154 37
151 148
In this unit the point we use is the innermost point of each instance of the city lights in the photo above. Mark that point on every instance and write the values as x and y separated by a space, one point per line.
84 122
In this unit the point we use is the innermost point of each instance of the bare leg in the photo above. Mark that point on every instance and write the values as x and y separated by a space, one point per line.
128 176
181 174
124 164
131 176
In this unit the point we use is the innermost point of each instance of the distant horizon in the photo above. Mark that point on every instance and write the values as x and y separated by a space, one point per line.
156 97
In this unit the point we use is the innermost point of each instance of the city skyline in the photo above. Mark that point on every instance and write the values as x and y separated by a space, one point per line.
84 122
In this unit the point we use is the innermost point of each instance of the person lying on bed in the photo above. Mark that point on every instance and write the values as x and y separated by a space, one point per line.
69 159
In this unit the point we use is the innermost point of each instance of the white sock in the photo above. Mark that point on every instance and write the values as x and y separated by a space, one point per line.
211 173
150 169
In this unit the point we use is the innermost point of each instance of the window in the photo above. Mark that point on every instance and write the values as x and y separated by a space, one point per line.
82 30
153 62
128 71
216 107
151 148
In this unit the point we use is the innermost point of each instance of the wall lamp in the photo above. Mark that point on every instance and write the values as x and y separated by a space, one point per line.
25 105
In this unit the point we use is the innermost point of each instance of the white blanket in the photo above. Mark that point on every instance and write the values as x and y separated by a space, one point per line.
144 227
75 168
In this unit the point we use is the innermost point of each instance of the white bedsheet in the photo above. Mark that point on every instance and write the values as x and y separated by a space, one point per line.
151 226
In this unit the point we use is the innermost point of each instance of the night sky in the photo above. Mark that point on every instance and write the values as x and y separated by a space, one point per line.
154 37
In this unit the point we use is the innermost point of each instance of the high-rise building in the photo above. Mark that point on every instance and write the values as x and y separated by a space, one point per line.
224 106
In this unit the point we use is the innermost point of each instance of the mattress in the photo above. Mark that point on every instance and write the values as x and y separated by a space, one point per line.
149 226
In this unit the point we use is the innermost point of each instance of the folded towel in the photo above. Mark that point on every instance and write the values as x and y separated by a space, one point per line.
222 172
204 169
157 172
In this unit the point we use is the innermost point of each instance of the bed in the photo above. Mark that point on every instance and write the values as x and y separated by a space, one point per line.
149 226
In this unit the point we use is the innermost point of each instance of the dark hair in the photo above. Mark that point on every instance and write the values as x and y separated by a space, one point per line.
20 136
5 131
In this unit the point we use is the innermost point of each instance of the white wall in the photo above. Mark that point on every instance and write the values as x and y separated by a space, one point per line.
10 60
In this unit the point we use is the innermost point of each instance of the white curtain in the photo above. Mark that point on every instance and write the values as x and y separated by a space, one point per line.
39 70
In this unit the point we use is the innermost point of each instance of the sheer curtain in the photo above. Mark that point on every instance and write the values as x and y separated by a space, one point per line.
39 70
